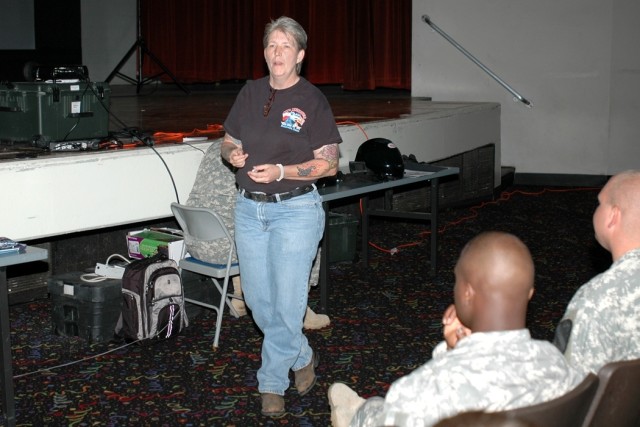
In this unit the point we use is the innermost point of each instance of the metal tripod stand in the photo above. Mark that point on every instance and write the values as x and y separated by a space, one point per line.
141 49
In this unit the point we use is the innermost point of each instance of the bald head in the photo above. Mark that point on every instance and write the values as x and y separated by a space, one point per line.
494 282
616 221
625 193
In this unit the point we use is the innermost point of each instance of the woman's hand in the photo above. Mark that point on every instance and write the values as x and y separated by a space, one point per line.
231 150
264 174
238 157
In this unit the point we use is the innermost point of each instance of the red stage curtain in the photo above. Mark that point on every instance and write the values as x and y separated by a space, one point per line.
359 44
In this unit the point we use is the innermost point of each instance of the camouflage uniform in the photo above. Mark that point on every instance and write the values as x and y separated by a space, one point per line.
215 188
605 316
490 371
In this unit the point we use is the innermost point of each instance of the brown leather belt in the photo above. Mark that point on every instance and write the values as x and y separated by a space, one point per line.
277 197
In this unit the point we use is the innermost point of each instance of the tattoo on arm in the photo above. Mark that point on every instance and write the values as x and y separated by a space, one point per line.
306 171
330 154
325 159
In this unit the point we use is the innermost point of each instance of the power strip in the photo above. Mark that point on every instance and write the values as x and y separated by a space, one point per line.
110 271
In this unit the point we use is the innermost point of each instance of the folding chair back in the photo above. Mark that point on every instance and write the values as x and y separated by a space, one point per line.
206 225
617 401
568 410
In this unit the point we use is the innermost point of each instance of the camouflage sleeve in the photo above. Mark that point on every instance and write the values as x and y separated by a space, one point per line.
493 371
590 342
370 413
606 316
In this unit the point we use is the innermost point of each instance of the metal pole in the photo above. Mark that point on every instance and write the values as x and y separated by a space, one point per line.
519 97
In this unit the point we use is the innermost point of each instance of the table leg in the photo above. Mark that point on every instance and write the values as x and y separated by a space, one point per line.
8 404
434 226
365 230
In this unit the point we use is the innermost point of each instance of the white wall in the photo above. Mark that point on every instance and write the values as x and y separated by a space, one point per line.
577 61
108 32
624 137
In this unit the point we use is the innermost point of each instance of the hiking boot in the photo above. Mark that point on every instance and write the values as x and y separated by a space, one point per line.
313 320
344 403
272 405
306 377
237 307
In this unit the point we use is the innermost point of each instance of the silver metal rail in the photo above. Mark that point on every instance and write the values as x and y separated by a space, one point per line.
517 96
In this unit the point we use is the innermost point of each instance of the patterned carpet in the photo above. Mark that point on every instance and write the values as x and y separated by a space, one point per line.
385 323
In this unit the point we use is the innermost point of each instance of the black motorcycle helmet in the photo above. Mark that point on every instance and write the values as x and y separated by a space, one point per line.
381 157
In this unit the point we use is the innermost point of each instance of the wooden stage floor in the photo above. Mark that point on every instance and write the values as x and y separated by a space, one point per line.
166 108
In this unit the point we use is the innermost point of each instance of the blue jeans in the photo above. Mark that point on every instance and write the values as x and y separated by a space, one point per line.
276 244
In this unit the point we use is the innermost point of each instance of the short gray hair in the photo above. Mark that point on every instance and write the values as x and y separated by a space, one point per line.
290 27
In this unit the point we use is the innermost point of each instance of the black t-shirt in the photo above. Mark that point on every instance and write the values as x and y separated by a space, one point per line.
299 121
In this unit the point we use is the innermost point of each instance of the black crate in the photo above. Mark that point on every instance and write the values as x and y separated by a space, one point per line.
474 182
89 310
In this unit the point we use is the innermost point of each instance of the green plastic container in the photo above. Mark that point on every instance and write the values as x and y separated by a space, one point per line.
50 112
343 231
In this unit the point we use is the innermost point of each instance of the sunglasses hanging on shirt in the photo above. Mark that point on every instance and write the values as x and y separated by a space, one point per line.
267 106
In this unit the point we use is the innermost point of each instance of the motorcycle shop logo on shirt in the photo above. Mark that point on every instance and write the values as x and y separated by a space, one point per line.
293 119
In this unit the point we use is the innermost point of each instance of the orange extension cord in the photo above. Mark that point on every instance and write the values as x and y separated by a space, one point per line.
215 130
504 196
178 137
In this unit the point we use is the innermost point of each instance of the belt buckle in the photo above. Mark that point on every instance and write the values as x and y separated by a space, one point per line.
262 197
259 197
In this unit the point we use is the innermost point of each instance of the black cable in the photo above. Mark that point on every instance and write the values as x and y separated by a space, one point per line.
146 142
133 134
194 147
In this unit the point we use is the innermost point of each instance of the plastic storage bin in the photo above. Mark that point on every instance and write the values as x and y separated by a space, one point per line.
51 112
343 230
87 310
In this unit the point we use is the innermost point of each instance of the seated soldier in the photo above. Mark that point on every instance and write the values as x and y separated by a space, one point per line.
488 360
215 188
602 321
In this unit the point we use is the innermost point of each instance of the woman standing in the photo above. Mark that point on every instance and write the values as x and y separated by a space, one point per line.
282 137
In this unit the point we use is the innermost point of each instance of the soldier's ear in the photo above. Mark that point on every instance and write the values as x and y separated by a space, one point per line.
615 217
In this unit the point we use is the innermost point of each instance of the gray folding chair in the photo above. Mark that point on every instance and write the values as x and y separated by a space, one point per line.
568 410
617 400
204 224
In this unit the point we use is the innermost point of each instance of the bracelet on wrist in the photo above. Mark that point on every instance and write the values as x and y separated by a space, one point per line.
281 172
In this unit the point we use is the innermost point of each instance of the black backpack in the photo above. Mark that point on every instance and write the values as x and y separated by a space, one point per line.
153 305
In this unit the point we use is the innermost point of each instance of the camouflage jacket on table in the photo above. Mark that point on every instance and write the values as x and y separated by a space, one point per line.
605 316
490 371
